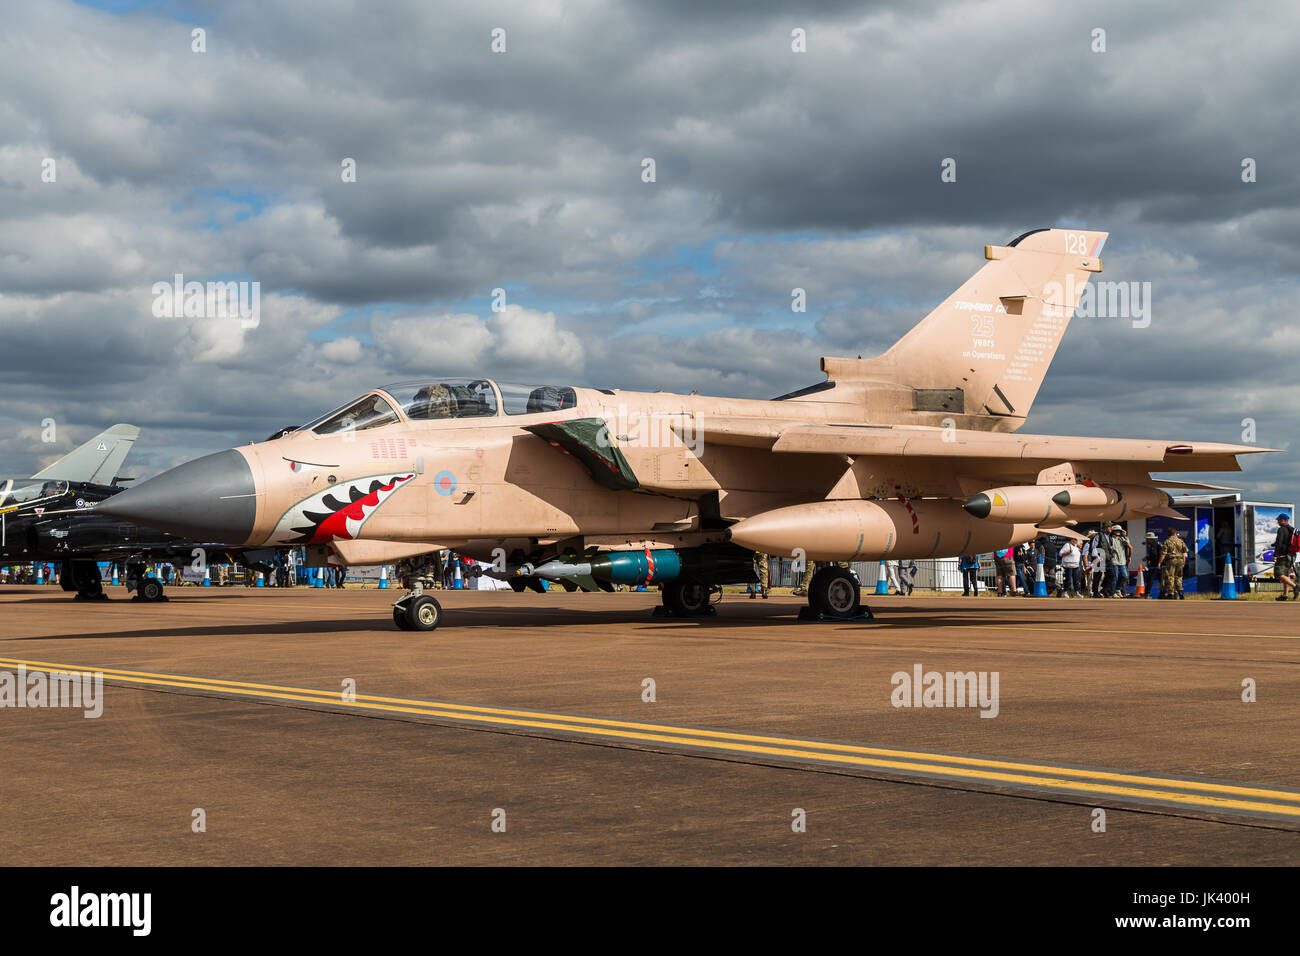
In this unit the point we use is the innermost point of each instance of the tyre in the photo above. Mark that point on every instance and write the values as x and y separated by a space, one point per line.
399 618
151 589
423 613
686 598
835 592
85 577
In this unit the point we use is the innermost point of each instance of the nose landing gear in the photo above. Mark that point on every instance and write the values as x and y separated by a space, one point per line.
417 611
146 589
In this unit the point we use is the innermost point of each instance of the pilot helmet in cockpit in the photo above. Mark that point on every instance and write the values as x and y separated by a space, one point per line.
432 401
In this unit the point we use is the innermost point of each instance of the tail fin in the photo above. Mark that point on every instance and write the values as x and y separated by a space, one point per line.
96 461
980 357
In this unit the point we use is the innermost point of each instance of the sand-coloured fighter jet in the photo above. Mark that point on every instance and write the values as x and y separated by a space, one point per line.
911 454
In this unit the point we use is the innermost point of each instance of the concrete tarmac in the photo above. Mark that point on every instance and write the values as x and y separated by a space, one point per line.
308 730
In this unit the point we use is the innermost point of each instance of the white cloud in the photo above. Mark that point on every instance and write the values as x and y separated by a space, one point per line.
343 351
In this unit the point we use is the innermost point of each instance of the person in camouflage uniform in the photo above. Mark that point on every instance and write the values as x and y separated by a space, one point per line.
1151 563
1172 557
761 572
806 580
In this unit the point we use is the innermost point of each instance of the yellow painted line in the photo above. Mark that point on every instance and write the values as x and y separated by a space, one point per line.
1074 786
1109 630
1151 788
247 688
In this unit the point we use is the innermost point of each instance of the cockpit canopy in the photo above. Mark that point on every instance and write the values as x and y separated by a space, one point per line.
19 491
464 398
447 398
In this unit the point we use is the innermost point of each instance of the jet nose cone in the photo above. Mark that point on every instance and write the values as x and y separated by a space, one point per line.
209 499
978 505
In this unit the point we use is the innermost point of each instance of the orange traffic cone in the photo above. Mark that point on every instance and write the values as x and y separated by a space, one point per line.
1141 589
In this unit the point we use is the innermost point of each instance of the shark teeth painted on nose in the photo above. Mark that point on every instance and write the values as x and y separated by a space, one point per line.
337 513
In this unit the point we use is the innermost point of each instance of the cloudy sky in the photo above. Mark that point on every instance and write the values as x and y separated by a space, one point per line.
522 170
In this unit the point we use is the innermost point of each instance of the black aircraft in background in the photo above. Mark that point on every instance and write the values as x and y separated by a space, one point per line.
50 517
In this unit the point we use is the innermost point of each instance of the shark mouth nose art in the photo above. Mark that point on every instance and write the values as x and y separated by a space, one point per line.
338 512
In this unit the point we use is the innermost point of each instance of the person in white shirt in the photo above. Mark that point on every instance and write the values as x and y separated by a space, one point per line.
891 577
1069 557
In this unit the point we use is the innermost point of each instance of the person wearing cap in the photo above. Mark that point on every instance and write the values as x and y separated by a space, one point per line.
1117 556
1152 562
1172 556
1283 559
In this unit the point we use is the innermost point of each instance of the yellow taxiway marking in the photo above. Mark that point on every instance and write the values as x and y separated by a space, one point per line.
1204 794
1110 630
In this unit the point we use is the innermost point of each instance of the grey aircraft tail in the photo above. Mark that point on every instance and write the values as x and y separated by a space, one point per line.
98 460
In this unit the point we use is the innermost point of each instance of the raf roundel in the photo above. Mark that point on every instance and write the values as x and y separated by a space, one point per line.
444 482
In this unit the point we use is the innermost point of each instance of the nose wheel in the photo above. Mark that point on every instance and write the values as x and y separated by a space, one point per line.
145 588
417 613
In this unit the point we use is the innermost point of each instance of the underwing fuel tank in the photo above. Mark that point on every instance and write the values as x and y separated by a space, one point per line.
1061 503
858 530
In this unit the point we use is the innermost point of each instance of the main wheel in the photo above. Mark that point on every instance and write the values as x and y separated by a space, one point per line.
91 592
151 589
86 579
399 618
686 598
835 592
423 613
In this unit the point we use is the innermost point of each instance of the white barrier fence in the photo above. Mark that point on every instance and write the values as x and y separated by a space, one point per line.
929 574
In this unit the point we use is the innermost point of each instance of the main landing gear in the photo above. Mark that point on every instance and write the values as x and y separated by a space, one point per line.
688 599
834 594
83 577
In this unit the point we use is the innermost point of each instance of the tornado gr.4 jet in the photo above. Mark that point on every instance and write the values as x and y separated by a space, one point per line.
911 454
